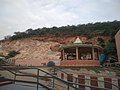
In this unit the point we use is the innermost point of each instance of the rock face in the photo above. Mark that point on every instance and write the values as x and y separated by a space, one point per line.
32 52
37 51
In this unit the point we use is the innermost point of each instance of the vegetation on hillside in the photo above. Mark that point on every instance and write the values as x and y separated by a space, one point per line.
90 30
12 54
101 28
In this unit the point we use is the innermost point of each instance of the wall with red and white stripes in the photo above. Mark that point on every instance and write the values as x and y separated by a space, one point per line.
95 81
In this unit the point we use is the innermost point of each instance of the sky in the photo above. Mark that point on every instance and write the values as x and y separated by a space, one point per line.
20 15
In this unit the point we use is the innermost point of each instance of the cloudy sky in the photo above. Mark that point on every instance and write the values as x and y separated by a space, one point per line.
19 15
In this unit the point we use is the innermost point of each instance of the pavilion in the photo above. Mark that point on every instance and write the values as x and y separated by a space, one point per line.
78 54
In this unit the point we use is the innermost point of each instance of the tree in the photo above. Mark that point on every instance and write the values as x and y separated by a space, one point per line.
12 54
110 48
101 42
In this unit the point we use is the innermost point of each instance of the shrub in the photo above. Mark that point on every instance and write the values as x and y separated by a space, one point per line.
12 54
50 64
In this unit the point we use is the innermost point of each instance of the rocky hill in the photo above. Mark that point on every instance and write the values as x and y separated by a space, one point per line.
32 52
37 51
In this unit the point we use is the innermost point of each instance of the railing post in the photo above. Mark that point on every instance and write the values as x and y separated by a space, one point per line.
15 76
53 78
37 78
76 81
68 87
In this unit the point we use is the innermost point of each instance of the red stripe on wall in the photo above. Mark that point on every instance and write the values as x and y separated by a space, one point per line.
94 82
106 84
62 75
70 77
81 80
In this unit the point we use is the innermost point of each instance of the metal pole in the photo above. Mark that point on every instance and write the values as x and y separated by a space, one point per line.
15 76
68 87
76 82
37 78
53 78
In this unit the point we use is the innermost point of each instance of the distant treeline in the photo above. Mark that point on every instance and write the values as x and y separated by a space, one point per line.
90 29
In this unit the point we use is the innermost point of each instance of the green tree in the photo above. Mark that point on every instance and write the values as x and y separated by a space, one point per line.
12 54
110 49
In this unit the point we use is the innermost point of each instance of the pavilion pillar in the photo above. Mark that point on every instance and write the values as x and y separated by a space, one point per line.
77 55
93 53
98 54
63 54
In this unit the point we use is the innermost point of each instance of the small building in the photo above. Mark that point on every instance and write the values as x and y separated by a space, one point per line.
78 54
117 39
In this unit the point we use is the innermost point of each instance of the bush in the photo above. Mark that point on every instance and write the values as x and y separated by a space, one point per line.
50 64
12 54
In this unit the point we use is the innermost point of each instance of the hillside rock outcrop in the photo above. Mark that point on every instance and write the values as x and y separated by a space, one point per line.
32 52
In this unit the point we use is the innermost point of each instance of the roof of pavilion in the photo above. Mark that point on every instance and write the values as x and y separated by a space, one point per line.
79 45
